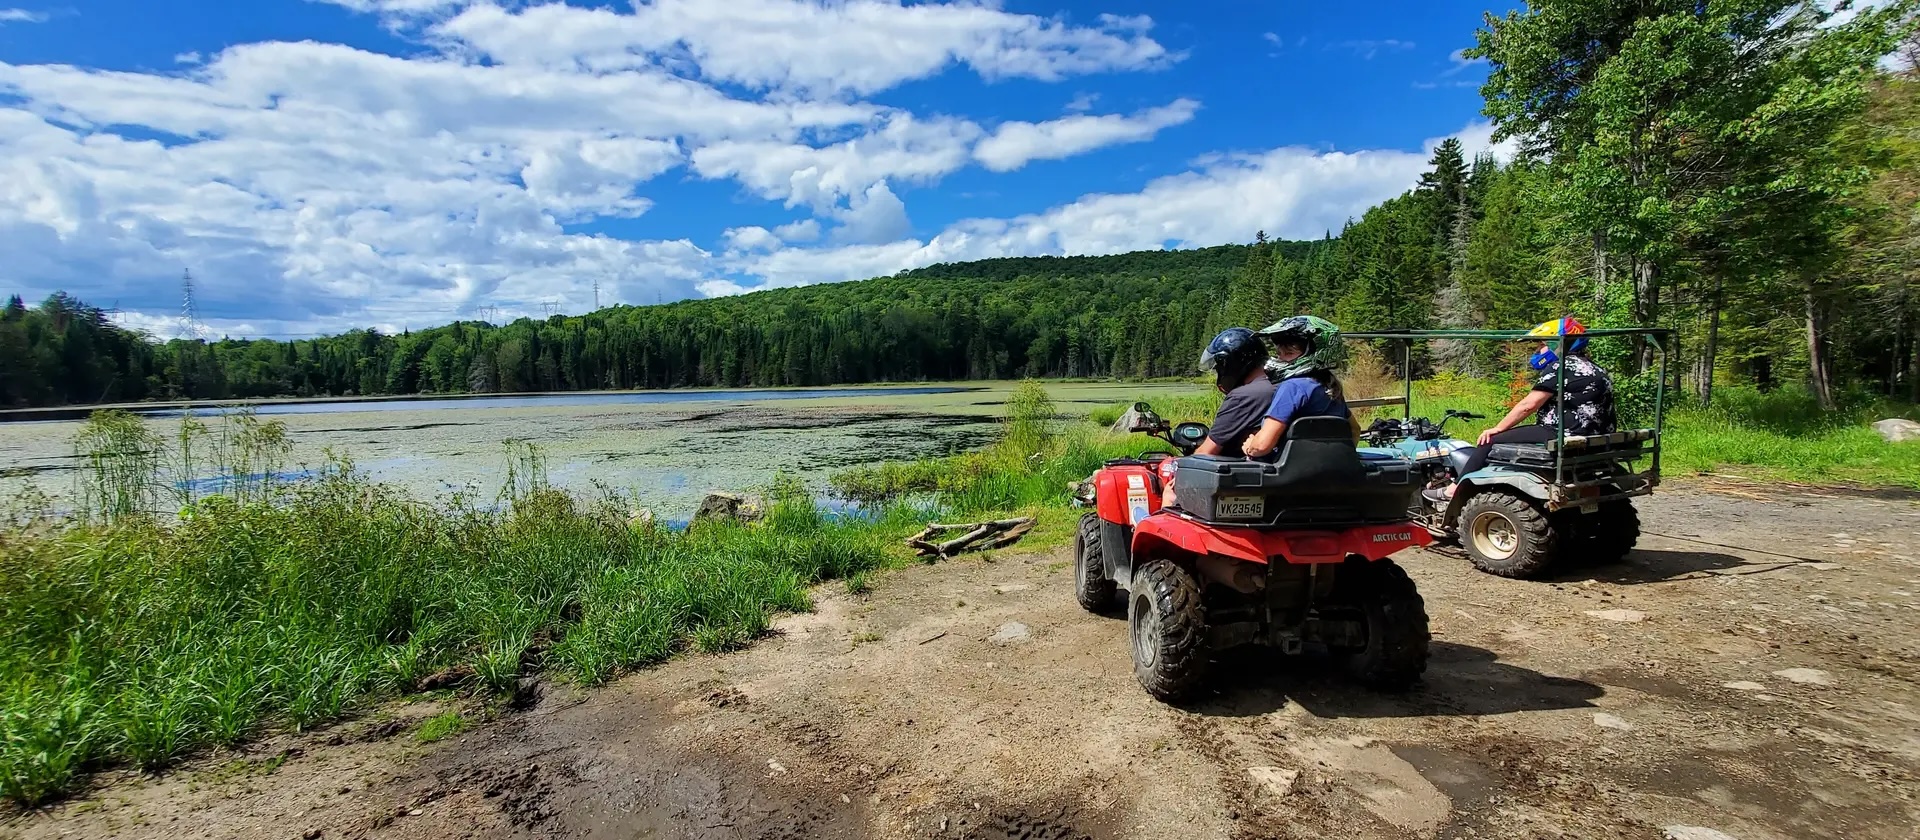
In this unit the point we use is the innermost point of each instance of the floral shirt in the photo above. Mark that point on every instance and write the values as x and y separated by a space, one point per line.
1589 396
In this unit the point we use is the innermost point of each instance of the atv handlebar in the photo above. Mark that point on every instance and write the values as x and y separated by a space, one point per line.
1389 429
1185 437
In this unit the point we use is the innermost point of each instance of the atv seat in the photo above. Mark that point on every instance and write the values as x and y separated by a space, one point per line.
1318 480
1628 445
1458 459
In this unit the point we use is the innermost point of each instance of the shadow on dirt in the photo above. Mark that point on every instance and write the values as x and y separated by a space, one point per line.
1647 565
1460 680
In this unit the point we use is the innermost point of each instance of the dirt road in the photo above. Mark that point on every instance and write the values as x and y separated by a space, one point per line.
1751 671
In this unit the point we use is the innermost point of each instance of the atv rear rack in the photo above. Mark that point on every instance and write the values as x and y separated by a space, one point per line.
1562 442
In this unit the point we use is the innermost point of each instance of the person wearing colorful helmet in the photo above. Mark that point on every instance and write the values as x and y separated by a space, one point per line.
1587 389
1305 351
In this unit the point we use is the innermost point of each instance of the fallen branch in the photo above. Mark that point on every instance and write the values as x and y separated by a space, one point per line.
999 533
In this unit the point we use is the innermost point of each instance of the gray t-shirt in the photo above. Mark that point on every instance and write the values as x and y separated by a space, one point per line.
1240 416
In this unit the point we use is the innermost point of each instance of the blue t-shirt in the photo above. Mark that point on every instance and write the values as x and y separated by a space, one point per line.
1302 397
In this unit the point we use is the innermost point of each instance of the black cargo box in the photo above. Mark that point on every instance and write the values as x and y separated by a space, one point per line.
1319 480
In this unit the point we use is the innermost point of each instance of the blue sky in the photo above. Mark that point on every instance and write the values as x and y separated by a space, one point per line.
400 163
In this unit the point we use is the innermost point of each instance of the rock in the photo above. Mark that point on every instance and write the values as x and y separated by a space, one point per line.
1628 616
311 834
1824 567
1602 719
1004 588
1805 676
1896 430
641 519
776 767
1694 832
415 812
1743 685
728 506
1274 780
1012 631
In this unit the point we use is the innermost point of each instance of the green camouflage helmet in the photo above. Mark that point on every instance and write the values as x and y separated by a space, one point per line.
1321 337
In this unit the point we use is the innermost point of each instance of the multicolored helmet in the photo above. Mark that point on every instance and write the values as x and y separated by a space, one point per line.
1554 329
1320 336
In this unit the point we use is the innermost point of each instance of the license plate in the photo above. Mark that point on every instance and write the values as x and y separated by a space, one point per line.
1241 507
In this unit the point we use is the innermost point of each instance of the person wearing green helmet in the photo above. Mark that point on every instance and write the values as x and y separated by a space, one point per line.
1306 349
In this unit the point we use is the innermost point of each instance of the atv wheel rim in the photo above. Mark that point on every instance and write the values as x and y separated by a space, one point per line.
1494 535
1141 625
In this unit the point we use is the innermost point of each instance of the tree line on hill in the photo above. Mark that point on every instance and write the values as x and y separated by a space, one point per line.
1743 172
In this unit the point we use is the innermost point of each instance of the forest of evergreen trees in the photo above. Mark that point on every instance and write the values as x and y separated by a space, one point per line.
1735 170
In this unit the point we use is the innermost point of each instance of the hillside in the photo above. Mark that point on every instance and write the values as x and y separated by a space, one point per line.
1138 314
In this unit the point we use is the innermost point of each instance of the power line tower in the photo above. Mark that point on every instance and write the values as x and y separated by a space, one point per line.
549 306
189 328
596 294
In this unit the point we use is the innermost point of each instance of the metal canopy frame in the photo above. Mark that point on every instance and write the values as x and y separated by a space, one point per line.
1661 336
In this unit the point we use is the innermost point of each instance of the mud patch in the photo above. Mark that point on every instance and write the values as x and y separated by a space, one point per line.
986 821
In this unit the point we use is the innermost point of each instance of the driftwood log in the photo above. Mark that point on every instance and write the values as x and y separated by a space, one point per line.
998 533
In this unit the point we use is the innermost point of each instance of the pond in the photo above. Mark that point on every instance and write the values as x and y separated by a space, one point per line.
546 401
666 452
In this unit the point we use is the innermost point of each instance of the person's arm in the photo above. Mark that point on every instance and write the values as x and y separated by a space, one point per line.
1207 447
1266 439
1286 402
1521 410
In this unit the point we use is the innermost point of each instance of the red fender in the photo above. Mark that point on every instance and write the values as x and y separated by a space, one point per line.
1124 495
1155 534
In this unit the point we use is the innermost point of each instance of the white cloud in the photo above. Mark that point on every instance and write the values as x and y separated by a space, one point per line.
399 7
751 238
1368 49
905 148
1272 38
1082 102
805 230
825 46
1289 192
21 16
188 57
1460 62
1014 144
876 215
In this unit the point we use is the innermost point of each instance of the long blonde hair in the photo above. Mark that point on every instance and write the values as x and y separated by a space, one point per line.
1339 394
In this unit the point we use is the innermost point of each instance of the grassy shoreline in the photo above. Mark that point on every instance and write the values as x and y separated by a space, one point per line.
141 639
158 622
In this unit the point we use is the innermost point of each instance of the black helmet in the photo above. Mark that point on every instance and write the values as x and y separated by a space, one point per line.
1231 355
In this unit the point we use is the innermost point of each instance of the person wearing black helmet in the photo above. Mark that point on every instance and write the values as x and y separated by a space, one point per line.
1238 360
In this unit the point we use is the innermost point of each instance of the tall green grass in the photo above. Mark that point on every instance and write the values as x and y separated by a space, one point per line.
137 638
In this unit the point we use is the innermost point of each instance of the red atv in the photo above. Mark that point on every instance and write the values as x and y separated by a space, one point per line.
1279 554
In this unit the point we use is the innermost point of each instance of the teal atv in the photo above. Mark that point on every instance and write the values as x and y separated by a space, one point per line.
1534 506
